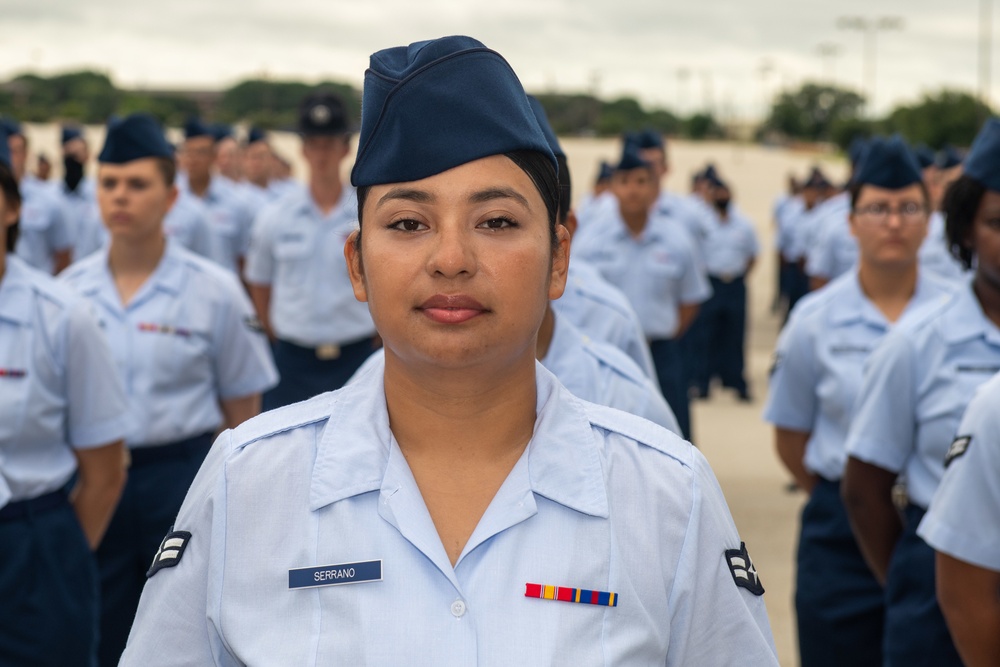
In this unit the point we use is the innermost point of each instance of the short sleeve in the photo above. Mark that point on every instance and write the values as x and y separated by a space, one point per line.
964 516
820 257
97 411
177 621
201 235
791 397
243 361
59 233
884 426
259 267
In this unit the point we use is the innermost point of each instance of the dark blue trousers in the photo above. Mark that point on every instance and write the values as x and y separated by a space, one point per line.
915 629
157 483
839 605
304 375
48 587
721 337
668 361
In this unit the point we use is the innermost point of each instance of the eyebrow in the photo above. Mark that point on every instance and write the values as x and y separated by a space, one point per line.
478 197
408 194
491 194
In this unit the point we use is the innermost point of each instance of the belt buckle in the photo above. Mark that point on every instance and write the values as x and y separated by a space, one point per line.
328 352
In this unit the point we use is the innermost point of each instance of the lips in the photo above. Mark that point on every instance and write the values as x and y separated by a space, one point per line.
452 308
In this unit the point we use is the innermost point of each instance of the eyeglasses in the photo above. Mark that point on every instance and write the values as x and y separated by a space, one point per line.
909 213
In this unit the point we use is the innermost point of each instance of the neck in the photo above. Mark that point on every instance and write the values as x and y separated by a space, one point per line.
260 182
461 417
988 294
199 185
325 190
636 222
889 288
545 333
141 257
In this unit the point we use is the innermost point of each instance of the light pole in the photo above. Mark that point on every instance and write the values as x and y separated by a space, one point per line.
765 70
828 52
869 28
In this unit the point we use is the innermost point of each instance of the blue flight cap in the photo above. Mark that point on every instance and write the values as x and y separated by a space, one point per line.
817 179
709 173
948 157
255 134
69 133
11 127
134 137
221 131
888 163
925 156
543 123
438 104
648 138
856 150
983 161
604 172
631 159
194 127
4 148
322 113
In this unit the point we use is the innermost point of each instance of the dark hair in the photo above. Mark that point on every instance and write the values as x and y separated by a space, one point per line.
12 199
536 165
960 206
565 189
168 168
855 190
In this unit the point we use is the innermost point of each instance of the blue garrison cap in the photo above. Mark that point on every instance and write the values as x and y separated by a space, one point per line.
255 134
11 127
631 159
925 156
709 173
134 137
69 133
888 163
817 179
221 131
856 150
438 104
4 148
194 127
983 161
948 157
648 138
604 172
543 123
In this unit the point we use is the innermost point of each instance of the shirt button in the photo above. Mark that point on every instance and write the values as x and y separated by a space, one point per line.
458 608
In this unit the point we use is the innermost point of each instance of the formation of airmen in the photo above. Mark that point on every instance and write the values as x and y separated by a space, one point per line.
198 286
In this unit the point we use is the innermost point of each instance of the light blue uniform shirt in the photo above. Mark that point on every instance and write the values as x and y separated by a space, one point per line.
916 388
229 220
299 252
658 271
186 224
808 228
819 365
729 245
186 340
58 386
44 226
787 213
834 250
964 517
77 203
691 211
602 311
324 482
934 255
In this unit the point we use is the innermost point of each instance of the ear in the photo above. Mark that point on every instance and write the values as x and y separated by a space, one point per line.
172 197
560 263
355 266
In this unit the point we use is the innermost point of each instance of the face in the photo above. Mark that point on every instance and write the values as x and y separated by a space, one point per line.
257 162
77 149
636 191
134 198
658 158
889 225
324 153
985 239
199 156
18 146
458 268
227 158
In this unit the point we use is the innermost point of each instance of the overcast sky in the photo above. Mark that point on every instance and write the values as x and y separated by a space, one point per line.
628 47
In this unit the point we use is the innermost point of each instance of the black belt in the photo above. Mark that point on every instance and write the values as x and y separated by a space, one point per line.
331 351
20 509
142 456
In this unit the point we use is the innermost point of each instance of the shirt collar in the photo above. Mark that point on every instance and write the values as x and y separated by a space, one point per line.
967 320
168 276
564 461
853 306
15 291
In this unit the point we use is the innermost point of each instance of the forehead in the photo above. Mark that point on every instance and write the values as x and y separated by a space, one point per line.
874 193
142 167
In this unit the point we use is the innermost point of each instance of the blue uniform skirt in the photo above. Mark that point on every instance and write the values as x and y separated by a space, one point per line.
915 630
839 605
48 586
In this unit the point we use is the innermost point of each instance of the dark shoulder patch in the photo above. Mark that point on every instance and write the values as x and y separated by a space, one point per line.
170 552
958 447
744 573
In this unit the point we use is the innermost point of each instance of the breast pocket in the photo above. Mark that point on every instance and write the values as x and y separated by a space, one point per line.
15 381
180 351
291 260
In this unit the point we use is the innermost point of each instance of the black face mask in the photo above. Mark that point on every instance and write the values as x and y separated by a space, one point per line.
73 172
722 205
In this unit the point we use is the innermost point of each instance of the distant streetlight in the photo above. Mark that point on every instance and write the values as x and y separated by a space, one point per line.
869 28
765 70
828 52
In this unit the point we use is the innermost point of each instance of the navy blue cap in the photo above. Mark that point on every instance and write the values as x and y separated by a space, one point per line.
438 104
925 156
856 150
255 134
322 113
983 161
543 123
11 127
888 163
631 159
134 137
194 127
69 133
948 157
604 172
648 138
4 148
221 131
709 173
817 179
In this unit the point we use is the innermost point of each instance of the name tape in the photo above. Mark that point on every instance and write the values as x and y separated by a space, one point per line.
335 575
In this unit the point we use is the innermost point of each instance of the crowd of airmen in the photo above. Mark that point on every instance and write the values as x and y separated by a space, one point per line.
199 285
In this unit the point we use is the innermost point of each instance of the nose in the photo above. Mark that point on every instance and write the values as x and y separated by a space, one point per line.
451 253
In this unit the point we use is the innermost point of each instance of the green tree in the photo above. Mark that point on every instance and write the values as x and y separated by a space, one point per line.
948 116
813 112
275 104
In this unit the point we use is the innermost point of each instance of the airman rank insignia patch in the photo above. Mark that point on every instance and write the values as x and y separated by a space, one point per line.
171 549
958 447
743 571
253 324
